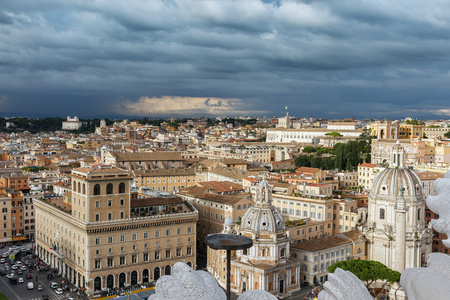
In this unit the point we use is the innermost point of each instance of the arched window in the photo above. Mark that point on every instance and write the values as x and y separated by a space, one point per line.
97 283
244 206
134 277
110 281
145 275
97 189
418 214
74 186
121 188
238 207
109 188
381 213
122 279
189 264
79 188
167 270
84 189
156 274
283 252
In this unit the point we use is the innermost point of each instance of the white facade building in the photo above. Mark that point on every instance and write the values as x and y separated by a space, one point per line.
72 123
395 229
307 135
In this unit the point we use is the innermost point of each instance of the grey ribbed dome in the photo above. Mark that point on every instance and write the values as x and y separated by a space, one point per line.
229 221
390 181
262 219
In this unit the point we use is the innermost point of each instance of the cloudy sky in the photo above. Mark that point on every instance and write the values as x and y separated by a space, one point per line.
136 58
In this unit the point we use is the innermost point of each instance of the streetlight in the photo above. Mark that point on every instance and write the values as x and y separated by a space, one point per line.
223 241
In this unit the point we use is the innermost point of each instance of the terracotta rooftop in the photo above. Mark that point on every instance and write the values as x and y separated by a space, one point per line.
164 172
368 165
429 175
307 170
321 243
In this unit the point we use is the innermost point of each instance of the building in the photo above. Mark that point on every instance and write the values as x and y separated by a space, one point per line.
165 180
347 179
143 160
216 201
72 123
99 238
367 173
267 265
12 211
306 135
382 149
316 255
395 230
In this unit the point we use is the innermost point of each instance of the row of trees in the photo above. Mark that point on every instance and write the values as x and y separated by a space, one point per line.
343 156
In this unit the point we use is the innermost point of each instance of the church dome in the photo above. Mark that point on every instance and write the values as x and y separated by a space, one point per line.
397 182
265 218
229 221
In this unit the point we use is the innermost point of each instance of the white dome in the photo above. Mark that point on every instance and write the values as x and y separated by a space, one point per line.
229 221
391 182
263 219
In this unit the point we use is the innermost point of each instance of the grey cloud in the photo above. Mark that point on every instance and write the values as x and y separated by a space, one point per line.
304 54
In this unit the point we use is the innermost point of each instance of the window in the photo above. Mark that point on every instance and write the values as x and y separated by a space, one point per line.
189 251
145 235
178 252
189 230
157 233
168 253
382 213
97 264
122 202
121 188
110 262
110 239
122 260
109 216
109 188
167 232
178 230
97 204
97 217
145 257
156 254
97 189
134 258
134 236
97 241
122 238
238 207
109 203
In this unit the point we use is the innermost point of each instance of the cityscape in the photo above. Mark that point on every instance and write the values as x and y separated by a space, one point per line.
198 150
110 205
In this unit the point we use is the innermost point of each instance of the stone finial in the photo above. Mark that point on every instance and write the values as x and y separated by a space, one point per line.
344 285
440 205
188 284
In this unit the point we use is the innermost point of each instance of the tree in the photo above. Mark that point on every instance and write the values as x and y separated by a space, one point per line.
447 134
367 271
309 149
334 133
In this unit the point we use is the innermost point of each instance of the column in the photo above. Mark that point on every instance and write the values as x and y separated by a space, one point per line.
400 235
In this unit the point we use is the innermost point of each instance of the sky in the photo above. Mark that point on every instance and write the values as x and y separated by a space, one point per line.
184 58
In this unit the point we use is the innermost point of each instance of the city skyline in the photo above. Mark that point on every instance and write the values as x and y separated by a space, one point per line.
209 58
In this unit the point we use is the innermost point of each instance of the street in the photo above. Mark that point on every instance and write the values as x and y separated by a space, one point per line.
20 291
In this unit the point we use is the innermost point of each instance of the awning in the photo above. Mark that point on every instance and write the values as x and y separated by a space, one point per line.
5 240
18 238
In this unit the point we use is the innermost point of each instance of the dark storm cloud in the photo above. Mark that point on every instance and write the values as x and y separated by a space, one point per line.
339 58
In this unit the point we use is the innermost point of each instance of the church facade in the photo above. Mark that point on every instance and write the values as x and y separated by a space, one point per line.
396 227
267 265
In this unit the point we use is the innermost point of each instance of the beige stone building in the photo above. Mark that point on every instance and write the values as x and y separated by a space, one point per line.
367 173
165 180
100 238
317 255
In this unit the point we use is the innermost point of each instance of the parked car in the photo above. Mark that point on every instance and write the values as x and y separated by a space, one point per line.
59 291
40 287
30 285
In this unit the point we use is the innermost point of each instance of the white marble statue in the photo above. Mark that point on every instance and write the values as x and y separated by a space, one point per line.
432 282
188 284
